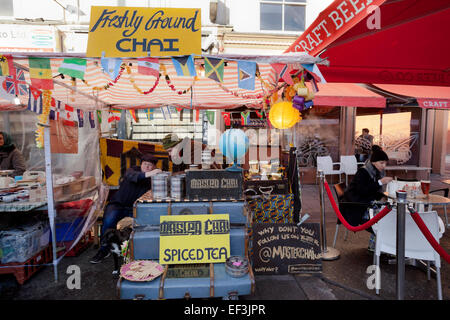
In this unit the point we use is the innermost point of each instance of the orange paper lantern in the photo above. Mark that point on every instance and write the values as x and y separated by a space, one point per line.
283 115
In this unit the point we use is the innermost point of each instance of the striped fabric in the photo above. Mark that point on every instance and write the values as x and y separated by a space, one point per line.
206 93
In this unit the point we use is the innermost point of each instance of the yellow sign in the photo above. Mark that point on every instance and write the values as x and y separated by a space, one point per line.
194 239
136 32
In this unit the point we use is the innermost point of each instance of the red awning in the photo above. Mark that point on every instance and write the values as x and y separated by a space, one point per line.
408 46
347 95
426 96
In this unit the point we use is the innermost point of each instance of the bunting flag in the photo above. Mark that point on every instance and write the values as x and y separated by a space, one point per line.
54 109
80 118
226 117
73 67
133 115
99 116
180 111
149 114
259 114
313 69
41 73
197 115
3 94
191 115
184 65
15 83
91 119
6 65
283 71
34 100
210 115
148 66
245 117
67 116
166 113
246 75
214 69
114 115
111 66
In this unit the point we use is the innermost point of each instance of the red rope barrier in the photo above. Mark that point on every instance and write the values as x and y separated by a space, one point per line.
364 226
436 246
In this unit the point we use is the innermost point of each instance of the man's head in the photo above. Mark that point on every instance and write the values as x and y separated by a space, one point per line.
148 163
379 159
365 131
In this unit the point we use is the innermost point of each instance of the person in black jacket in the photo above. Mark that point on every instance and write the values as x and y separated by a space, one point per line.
366 186
133 185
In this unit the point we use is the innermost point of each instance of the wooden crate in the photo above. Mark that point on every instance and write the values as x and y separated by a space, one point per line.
77 186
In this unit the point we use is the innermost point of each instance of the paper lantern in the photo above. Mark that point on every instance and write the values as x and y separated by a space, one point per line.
234 144
283 115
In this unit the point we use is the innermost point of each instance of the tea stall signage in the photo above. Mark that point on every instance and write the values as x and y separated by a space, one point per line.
139 32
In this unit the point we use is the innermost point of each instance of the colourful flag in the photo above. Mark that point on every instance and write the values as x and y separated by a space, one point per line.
91 119
3 93
73 67
111 66
166 113
184 65
149 114
34 100
259 114
15 83
197 115
41 73
55 109
211 115
245 117
99 116
226 117
6 65
80 118
214 69
283 71
148 66
67 116
313 69
246 75
114 115
133 115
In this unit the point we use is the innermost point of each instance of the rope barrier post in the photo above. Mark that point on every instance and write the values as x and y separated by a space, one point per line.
400 257
328 253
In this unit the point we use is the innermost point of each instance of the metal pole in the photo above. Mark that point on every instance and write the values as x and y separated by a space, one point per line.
328 253
50 200
401 209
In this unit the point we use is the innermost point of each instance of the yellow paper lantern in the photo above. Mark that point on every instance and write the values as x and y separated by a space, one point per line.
283 115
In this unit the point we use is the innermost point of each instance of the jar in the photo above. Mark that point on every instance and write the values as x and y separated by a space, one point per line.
160 185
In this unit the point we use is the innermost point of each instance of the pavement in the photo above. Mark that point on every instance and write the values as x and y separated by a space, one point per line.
341 279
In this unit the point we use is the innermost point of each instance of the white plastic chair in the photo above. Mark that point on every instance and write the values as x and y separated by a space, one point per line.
326 165
416 245
349 166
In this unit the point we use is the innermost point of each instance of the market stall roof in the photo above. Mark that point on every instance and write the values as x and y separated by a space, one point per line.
408 46
128 91
426 96
347 95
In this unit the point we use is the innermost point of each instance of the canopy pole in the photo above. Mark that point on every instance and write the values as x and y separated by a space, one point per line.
50 199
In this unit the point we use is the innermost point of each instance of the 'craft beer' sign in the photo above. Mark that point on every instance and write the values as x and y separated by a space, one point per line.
136 32
285 248
194 239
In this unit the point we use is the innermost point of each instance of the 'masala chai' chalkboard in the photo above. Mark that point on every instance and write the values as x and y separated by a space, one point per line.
285 248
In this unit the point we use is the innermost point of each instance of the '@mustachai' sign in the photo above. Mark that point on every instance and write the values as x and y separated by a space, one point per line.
138 32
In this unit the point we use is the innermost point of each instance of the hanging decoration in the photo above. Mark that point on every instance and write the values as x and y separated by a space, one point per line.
43 118
109 84
131 79
111 66
114 115
226 118
6 65
302 100
166 113
40 73
91 119
246 75
99 116
245 116
214 69
15 83
184 66
210 115
172 87
73 67
283 71
283 115
148 66
134 115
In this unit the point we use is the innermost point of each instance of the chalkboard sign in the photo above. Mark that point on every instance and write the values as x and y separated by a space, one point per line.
213 184
285 248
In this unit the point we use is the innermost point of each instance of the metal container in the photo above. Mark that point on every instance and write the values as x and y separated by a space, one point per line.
178 186
236 266
160 185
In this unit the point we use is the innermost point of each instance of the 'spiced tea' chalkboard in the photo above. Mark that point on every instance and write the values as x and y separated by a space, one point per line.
285 248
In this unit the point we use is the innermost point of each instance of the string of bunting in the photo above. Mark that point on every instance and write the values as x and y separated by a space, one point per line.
109 84
135 86
171 86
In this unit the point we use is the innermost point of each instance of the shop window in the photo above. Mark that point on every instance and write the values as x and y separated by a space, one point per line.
282 15
317 134
396 130
6 8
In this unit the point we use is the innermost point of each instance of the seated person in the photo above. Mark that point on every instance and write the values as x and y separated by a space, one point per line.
366 186
175 146
132 185
10 157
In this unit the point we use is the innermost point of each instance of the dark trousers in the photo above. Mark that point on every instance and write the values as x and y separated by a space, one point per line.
112 215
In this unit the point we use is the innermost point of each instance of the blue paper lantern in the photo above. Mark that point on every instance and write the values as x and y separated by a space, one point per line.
234 144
